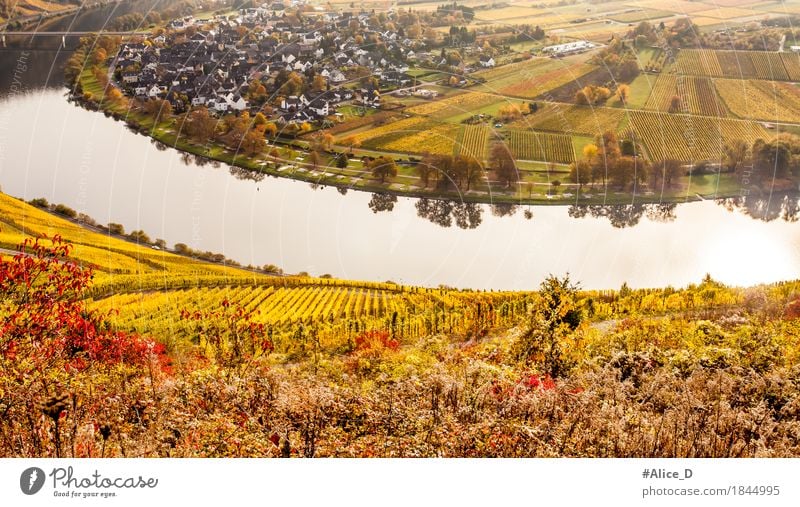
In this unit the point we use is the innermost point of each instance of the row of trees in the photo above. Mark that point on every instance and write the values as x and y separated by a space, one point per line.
608 160
448 171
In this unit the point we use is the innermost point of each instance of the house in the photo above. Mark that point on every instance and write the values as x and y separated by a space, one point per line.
130 77
486 61
568 48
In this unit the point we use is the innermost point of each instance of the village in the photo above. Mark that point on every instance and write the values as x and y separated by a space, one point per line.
296 65
299 68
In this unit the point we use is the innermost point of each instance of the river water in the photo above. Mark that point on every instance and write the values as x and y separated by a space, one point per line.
51 148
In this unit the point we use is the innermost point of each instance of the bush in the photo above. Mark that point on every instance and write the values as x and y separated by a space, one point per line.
66 211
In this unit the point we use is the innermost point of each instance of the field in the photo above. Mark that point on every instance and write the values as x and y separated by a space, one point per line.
474 141
634 16
531 78
454 105
570 119
697 95
439 138
725 13
736 64
115 260
761 100
527 145
690 138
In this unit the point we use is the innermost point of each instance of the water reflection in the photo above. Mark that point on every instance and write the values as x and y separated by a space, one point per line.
465 214
766 208
622 216
382 202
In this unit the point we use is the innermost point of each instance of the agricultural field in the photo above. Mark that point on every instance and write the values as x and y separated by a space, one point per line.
474 141
531 78
690 138
639 15
454 105
506 13
438 138
572 119
697 95
674 6
736 64
113 259
761 100
398 126
725 13
539 146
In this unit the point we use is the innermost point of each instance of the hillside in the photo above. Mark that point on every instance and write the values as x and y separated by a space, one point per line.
236 364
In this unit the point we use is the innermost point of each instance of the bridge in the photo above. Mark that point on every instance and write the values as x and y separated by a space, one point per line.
67 34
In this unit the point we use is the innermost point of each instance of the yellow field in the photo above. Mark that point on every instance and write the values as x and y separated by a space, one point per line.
761 100
412 124
725 13
439 139
696 93
506 13
454 105
676 6
570 119
690 138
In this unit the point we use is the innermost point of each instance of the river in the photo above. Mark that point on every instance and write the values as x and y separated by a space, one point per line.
51 148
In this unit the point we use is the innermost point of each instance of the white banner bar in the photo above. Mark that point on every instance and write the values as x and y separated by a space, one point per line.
379 482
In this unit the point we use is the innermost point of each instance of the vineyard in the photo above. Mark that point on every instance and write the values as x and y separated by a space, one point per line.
570 119
401 126
474 141
439 138
761 100
109 256
690 138
527 145
335 314
532 86
455 105
738 64
697 95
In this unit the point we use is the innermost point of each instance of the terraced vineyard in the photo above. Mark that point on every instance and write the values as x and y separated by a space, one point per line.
333 312
761 100
112 258
527 145
690 138
474 141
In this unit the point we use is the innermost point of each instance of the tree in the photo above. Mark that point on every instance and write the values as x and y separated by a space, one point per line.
253 142
580 172
427 169
667 170
503 164
473 171
116 229
159 109
352 142
675 104
555 316
383 167
315 159
735 154
200 125
623 92
319 83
